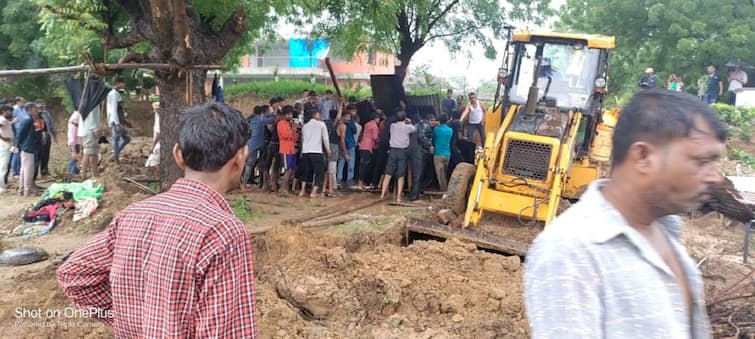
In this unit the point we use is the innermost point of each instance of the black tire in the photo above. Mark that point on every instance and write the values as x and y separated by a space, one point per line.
458 187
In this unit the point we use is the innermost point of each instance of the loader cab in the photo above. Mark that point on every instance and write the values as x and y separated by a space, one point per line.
571 76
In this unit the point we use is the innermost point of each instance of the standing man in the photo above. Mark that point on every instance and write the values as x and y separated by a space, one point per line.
714 88
154 157
442 135
91 148
257 126
613 265
347 131
449 104
315 142
649 79
178 264
288 137
116 118
48 138
737 81
475 111
327 104
398 154
28 141
421 150
18 114
74 147
6 143
367 146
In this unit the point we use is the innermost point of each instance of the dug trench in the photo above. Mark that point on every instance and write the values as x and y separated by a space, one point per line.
376 285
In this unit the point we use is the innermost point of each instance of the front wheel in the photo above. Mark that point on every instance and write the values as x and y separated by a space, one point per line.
458 187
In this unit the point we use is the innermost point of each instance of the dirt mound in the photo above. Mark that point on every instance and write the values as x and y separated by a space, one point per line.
320 288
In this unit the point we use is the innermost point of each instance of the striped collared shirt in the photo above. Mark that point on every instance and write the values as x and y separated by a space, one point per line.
591 275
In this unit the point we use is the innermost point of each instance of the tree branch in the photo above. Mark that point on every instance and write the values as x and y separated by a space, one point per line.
435 36
132 38
73 18
443 13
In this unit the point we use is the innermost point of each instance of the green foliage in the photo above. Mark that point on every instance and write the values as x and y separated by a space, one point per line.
21 41
671 36
379 24
289 89
738 120
738 154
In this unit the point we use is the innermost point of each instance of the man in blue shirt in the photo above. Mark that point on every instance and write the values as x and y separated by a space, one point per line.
715 86
449 104
648 80
442 143
28 141
18 114
257 123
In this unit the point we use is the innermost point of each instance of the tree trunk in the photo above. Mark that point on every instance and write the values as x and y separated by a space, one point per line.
173 99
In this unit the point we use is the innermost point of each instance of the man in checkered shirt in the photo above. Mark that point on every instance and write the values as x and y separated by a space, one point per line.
178 264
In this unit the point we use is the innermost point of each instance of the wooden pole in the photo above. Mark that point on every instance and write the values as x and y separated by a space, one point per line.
332 76
107 67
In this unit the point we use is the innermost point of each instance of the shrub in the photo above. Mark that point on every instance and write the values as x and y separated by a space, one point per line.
738 120
289 89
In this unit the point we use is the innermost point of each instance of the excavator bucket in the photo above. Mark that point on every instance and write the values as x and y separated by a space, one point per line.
482 240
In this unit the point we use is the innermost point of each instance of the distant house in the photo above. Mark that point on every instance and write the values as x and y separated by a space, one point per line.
302 58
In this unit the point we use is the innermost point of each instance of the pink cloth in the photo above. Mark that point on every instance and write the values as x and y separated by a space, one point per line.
73 128
370 137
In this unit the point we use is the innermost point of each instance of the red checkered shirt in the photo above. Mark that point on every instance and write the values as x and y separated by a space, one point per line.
176 265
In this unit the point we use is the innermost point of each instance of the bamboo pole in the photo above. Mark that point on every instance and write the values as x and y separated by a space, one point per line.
107 67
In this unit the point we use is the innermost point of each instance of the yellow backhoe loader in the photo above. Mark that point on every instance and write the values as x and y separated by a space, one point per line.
547 137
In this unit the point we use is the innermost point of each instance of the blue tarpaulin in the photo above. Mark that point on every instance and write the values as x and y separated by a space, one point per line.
300 55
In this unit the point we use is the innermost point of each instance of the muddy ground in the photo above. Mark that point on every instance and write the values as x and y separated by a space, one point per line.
352 276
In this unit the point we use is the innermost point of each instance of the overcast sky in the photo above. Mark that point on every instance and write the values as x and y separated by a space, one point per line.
441 63
477 68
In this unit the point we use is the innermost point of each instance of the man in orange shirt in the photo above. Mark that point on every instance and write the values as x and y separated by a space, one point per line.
287 138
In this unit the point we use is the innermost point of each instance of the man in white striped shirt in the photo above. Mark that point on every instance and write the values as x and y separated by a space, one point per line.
612 266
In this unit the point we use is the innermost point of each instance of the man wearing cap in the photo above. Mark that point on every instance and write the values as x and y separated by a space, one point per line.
648 80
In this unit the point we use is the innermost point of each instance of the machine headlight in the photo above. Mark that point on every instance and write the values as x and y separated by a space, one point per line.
600 82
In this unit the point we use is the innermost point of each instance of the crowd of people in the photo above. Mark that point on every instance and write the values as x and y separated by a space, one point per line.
612 265
325 144
27 132
710 86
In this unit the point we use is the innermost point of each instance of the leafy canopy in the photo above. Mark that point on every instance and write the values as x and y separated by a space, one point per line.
405 26
671 36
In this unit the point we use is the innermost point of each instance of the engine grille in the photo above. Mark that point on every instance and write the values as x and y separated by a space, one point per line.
526 159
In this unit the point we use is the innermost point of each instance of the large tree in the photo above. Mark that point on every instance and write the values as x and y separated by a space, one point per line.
671 36
177 32
21 48
403 27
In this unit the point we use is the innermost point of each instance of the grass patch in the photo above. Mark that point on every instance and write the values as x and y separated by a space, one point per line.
242 210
